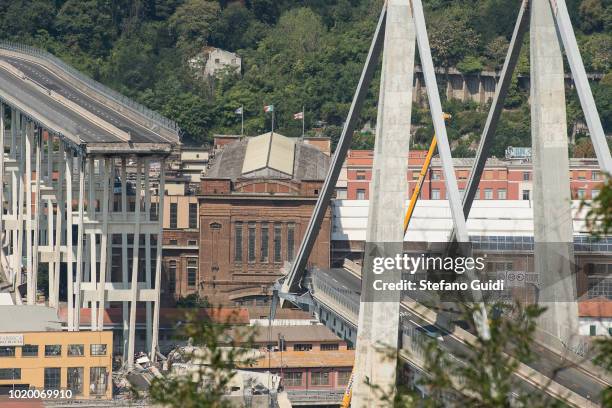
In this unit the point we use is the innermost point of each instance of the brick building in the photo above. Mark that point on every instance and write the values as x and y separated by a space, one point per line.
501 180
255 204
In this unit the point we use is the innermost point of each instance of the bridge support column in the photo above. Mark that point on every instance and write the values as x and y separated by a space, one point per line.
379 313
553 234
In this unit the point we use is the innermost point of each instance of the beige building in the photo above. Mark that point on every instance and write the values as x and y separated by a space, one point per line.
36 354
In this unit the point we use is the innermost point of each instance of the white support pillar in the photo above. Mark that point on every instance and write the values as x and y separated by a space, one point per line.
147 218
17 256
51 243
69 241
80 236
37 216
124 256
2 231
106 179
135 264
14 201
29 136
93 259
59 216
158 259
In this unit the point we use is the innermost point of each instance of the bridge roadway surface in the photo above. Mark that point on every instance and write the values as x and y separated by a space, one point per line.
44 77
546 361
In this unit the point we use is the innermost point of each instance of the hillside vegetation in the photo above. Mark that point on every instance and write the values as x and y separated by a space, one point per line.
294 53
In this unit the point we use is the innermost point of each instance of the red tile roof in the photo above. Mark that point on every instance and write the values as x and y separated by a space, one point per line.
598 307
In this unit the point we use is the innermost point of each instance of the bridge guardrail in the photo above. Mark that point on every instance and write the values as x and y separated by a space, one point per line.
122 99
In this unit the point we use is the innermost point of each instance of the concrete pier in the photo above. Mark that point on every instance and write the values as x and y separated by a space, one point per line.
379 313
554 255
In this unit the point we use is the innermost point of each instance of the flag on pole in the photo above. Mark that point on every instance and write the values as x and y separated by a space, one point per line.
238 111
298 116
269 108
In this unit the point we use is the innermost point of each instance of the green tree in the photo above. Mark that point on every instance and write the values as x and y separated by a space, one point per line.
86 25
193 22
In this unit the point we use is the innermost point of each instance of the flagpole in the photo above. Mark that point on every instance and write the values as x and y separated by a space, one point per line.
241 121
273 113
303 121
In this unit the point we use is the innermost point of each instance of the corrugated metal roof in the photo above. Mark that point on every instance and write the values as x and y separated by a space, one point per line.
270 150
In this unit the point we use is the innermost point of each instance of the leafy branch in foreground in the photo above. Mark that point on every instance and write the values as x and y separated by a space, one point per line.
211 360
599 215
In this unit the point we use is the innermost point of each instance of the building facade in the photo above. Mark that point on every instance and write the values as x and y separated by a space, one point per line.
255 204
501 180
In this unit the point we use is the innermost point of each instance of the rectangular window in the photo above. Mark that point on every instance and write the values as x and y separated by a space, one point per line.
53 378
98 349
97 380
595 175
592 330
415 175
361 195
341 193
193 215
477 195
251 247
319 378
525 176
580 193
172 276
594 194
173 242
76 350
192 242
53 350
153 212
292 379
488 194
435 194
435 175
277 243
501 194
361 175
173 215
10 373
192 271
302 347
263 256
344 377
75 380
582 175
525 194
29 350
7 351
290 241
329 347
238 242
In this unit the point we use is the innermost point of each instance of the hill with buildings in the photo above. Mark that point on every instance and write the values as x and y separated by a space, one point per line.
292 54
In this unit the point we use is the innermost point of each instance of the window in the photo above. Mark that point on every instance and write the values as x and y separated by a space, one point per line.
292 379
525 194
290 241
344 377
477 195
153 212
525 176
192 242
263 256
435 194
329 347
501 194
361 194
192 271
173 215
7 351
10 373
595 175
75 380
53 350
341 193
592 330
594 194
193 215
415 175
76 350
302 347
582 175
361 175
172 276
488 194
97 380
238 242
251 246
53 377
29 350
580 193
319 378
277 243
98 349
435 175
